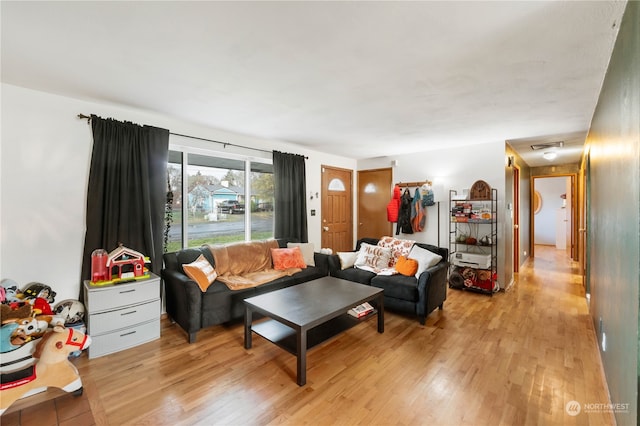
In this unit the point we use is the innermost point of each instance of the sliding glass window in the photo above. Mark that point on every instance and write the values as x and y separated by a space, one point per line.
227 200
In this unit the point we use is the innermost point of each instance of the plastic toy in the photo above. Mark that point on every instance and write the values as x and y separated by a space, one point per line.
121 265
53 368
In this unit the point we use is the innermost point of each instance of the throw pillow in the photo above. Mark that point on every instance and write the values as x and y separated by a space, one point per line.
285 258
347 258
372 258
307 252
201 271
407 267
398 248
426 259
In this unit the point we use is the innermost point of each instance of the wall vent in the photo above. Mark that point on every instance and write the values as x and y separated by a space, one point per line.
558 144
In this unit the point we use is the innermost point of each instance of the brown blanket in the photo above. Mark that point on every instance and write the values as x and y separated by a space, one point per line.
247 264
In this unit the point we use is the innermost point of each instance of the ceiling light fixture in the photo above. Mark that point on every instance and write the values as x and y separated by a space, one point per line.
549 155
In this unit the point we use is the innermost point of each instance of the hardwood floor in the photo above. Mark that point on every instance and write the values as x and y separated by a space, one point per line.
516 358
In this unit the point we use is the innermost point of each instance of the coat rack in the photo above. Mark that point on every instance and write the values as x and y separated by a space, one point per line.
411 184
418 184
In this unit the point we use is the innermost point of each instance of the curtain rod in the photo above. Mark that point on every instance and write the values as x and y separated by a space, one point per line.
224 144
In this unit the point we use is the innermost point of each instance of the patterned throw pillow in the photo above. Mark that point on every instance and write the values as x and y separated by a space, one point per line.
373 258
398 248
201 271
285 258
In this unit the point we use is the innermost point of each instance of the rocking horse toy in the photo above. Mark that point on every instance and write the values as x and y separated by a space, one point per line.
52 368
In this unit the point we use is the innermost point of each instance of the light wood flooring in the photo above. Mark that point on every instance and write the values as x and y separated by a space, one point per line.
516 358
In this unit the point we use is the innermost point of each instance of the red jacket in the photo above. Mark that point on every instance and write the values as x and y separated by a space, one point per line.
394 206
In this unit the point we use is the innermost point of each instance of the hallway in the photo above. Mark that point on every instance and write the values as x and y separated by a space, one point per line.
560 342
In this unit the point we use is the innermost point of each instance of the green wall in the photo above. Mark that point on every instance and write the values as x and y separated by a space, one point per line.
614 217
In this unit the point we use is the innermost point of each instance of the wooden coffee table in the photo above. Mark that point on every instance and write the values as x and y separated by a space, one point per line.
308 314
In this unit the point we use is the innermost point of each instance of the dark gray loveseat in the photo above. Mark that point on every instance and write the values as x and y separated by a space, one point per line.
194 310
401 293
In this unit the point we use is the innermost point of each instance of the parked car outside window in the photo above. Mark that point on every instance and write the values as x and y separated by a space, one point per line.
231 206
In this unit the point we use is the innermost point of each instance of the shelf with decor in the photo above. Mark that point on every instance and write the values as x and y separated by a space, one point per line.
473 240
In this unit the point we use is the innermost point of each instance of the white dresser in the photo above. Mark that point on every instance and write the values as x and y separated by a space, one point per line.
121 316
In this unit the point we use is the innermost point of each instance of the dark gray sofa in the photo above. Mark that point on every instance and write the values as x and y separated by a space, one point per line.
401 293
194 310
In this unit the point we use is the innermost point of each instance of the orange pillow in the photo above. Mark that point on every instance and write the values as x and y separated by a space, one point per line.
285 258
201 271
407 267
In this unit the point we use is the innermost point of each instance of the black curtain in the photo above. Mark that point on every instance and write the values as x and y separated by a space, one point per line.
290 210
127 190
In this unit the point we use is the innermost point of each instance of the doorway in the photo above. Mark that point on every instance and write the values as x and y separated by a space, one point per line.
337 209
553 216
374 192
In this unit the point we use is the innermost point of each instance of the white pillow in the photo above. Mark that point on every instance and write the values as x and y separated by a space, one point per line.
307 252
373 258
426 259
347 258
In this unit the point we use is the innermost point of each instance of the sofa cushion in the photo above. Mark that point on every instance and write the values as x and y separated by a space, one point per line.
407 267
398 248
426 259
354 274
397 286
373 258
347 258
285 258
307 252
201 271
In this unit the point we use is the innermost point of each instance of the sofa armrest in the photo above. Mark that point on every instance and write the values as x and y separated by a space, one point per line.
183 299
432 289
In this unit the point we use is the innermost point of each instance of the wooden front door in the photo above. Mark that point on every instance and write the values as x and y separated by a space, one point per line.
374 193
337 208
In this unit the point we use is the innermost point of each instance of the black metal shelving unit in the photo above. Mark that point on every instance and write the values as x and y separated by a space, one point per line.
473 234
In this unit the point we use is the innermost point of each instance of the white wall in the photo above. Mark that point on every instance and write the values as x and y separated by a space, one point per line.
455 168
550 190
46 152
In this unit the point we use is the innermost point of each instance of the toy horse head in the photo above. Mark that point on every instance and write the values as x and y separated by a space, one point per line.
58 344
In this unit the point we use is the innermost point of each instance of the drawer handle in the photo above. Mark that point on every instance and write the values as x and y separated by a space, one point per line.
129 333
128 313
128 291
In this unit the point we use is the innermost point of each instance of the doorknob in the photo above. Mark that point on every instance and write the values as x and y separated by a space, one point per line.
325 228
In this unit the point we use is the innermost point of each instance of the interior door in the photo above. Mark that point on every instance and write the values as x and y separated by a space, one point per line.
337 209
374 193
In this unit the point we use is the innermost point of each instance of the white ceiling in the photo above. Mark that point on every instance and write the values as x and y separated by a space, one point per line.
358 79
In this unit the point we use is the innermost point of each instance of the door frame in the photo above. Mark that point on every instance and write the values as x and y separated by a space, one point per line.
574 217
516 218
323 194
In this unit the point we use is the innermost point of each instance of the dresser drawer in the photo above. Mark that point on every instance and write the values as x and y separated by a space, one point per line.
108 321
113 297
123 339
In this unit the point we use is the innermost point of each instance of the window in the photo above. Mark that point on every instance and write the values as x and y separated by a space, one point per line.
227 200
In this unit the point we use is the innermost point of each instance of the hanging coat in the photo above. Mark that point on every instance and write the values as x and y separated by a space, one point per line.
418 217
404 217
393 208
